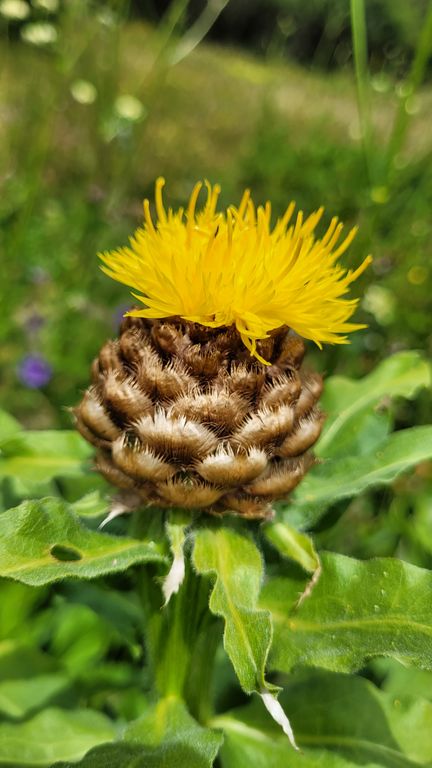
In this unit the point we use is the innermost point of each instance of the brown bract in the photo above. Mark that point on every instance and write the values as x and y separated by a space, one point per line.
182 415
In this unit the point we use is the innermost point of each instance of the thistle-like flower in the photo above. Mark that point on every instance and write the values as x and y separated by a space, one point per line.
202 402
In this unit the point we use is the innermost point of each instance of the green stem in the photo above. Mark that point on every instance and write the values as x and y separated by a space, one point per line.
359 38
173 664
413 82
181 639
200 692
199 29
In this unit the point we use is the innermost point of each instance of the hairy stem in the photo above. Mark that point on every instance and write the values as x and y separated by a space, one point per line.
181 640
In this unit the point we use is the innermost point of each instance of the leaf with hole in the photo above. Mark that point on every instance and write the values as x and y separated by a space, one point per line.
43 541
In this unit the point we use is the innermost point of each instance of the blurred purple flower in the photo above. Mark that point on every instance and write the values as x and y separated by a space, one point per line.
34 372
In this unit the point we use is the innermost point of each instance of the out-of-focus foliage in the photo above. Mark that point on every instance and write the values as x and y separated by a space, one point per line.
316 31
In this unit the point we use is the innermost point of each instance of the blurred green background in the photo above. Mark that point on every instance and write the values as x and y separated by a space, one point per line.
99 98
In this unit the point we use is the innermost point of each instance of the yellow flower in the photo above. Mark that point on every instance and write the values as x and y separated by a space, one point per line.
224 268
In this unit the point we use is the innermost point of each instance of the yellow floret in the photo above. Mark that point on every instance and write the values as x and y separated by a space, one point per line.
225 268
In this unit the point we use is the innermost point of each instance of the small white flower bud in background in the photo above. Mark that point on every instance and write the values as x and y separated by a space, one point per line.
39 33
83 92
130 108
15 10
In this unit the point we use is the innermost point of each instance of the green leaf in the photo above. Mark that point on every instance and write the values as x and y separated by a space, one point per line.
53 735
33 459
85 486
339 722
18 661
28 679
165 737
19 697
236 564
349 403
399 680
43 541
358 610
80 638
93 504
167 729
118 755
122 610
17 604
337 479
292 544
8 427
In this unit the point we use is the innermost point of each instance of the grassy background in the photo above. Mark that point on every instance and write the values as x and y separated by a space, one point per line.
92 117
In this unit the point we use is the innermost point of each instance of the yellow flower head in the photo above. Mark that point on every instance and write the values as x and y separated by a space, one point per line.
225 268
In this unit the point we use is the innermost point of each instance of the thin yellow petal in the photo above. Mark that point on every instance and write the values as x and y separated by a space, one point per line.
231 268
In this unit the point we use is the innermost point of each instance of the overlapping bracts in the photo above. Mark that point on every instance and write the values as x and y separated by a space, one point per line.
182 415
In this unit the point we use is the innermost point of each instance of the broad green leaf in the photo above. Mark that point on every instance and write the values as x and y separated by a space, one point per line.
358 610
293 544
400 680
337 479
350 424
52 735
166 736
117 755
19 697
339 722
84 487
18 661
80 638
28 679
168 732
121 610
8 427
33 459
43 541
235 563
17 604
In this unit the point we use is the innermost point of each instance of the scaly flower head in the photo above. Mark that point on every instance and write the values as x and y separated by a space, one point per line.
232 268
